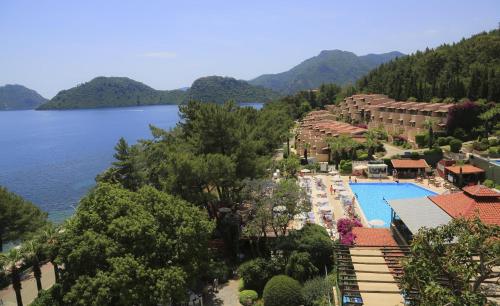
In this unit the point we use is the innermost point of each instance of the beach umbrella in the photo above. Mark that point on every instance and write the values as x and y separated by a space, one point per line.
376 222
305 170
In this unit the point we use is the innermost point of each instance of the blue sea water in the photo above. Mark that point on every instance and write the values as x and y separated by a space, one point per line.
371 197
52 157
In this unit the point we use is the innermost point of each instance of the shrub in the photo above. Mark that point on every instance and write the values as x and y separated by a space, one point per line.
494 142
443 141
362 156
420 140
414 155
300 267
455 145
282 290
248 297
255 273
316 289
460 134
489 183
314 240
346 166
493 151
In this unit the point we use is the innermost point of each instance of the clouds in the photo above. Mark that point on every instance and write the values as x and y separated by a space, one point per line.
160 54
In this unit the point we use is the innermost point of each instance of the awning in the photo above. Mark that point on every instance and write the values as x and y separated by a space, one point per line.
419 213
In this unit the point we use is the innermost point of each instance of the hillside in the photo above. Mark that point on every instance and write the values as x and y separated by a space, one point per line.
112 92
17 97
469 68
330 66
219 89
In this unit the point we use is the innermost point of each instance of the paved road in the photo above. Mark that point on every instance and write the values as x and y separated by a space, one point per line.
228 295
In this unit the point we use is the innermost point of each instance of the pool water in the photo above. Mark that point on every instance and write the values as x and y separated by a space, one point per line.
370 197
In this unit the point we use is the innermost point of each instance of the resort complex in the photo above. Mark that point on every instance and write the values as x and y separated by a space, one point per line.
405 119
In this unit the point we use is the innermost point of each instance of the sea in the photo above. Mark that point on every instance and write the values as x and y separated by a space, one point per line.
52 157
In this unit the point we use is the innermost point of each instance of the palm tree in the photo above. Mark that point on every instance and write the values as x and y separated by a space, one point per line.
340 146
48 238
11 262
32 251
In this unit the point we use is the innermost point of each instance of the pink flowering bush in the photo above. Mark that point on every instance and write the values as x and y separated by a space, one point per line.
344 228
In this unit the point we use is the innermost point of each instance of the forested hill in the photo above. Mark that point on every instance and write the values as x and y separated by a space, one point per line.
330 66
112 92
16 97
220 89
469 68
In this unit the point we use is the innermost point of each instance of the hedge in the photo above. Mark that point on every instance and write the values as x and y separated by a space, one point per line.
248 297
282 290
455 145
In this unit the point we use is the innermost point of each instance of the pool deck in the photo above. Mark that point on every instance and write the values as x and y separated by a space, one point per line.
336 205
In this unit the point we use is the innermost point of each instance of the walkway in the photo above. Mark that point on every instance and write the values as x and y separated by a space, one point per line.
228 295
29 291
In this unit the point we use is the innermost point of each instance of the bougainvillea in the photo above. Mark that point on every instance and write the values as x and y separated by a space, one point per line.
344 228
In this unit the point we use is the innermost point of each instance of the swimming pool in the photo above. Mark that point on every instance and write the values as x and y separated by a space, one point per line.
371 197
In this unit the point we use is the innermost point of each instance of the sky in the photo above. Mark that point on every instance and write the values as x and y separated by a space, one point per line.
50 45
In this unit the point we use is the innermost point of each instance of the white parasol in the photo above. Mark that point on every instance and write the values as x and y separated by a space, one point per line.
376 222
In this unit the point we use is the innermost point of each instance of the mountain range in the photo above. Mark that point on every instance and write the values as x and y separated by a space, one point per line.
330 66
18 97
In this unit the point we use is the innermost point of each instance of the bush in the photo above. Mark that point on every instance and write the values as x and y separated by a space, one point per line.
316 289
489 183
420 140
282 290
255 273
443 141
300 267
493 142
346 166
455 145
493 151
460 134
414 155
482 145
248 297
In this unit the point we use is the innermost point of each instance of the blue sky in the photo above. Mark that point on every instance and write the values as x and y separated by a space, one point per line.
53 45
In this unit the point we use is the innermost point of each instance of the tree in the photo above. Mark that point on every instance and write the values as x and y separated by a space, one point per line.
282 290
12 262
428 124
19 218
287 200
124 247
48 238
307 146
450 264
300 267
317 289
255 273
455 145
32 252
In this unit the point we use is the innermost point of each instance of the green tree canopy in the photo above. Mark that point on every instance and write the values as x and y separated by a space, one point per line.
130 248
18 217
449 264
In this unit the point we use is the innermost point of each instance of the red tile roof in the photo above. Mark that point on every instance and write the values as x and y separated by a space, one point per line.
461 204
366 236
409 163
480 191
466 169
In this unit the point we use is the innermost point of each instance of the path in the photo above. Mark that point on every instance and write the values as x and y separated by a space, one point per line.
228 295
29 290
392 150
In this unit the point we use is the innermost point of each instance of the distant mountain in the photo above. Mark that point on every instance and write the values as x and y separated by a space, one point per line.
14 97
112 92
469 68
330 66
220 89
